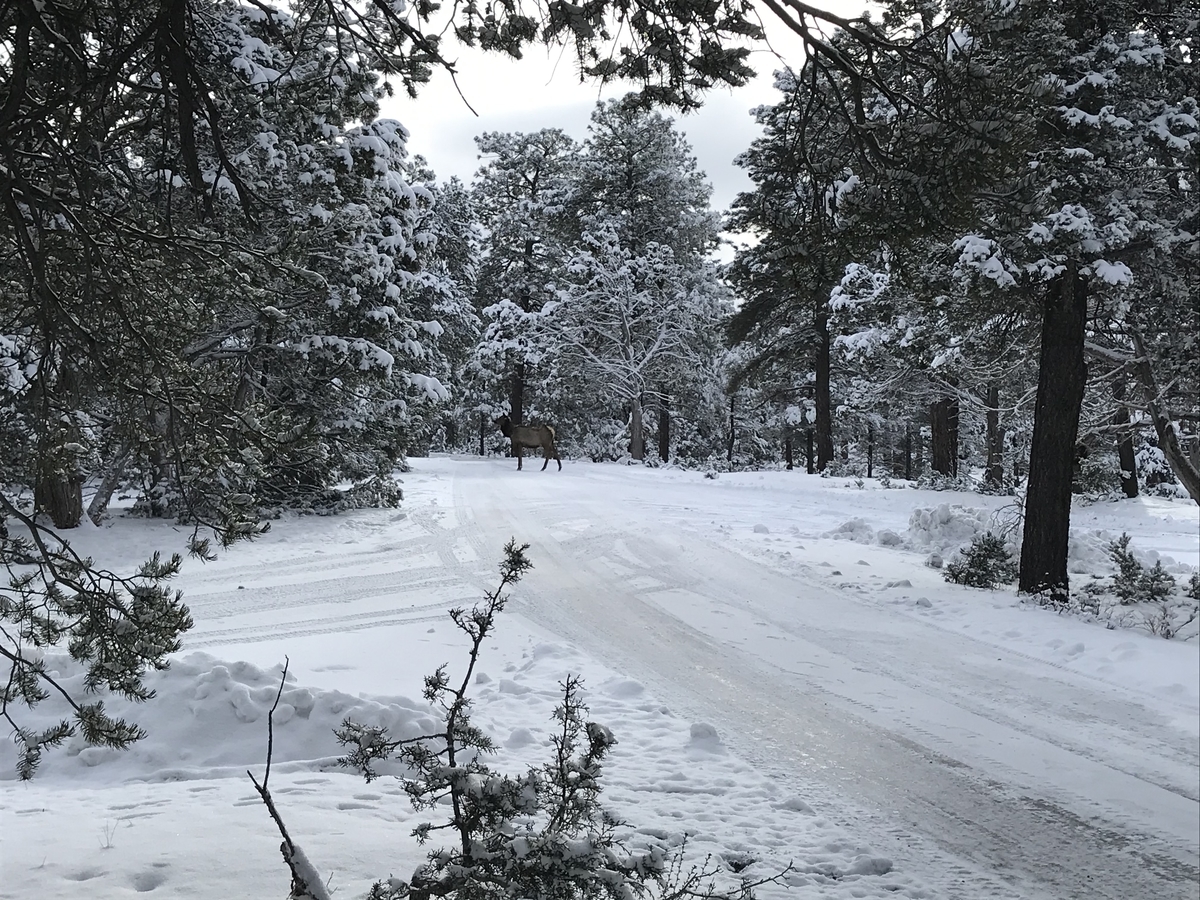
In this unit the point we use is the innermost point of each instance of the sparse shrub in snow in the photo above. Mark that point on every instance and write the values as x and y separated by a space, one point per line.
1157 584
985 564
1146 597
1168 621
1129 570
935 481
1133 583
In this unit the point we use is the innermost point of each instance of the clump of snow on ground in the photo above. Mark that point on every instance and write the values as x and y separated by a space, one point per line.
209 719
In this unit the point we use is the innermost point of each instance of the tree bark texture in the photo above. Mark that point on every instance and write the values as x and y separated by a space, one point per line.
637 431
943 422
1129 479
60 496
787 451
1062 375
870 451
908 451
732 431
810 463
824 423
994 473
664 431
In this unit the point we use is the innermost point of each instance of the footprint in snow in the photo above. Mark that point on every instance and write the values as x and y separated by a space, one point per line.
85 874
144 882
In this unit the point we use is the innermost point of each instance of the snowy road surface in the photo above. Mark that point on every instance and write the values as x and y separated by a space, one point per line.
959 746
1058 785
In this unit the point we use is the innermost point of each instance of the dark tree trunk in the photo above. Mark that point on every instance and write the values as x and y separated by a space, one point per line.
824 421
1062 374
664 431
908 451
810 463
59 495
787 451
482 432
994 474
870 451
732 431
943 422
1129 479
451 434
637 431
918 451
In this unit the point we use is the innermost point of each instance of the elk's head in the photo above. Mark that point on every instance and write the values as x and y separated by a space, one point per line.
504 423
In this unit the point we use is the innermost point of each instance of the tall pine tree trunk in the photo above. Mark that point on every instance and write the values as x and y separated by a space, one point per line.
1062 375
824 423
59 494
637 431
908 451
664 430
943 422
733 432
809 458
1129 479
994 473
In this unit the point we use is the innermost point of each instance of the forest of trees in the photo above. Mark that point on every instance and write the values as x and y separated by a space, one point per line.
970 257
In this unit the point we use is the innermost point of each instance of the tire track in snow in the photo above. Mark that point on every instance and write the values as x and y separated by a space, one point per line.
1028 840
431 566
307 628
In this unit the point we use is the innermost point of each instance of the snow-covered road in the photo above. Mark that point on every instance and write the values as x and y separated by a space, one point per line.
780 694
989 761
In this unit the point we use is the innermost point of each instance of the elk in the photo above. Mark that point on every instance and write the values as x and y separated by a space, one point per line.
531 436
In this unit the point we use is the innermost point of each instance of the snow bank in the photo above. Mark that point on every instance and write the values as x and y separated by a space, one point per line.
947 528
209 719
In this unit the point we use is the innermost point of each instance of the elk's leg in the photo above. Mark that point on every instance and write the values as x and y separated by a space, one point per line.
557 458
517 448
545 457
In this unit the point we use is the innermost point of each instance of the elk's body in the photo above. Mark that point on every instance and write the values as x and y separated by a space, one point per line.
531 437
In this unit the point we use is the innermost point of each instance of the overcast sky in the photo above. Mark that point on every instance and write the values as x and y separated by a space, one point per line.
543 91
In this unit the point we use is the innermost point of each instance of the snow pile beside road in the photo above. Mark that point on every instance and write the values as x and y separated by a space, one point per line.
947 528
209 719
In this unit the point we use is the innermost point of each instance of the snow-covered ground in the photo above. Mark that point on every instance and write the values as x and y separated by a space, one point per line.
788 680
